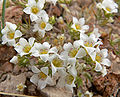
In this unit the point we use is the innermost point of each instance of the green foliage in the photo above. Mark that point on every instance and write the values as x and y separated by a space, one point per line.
87 75
79 81
23 61
3 13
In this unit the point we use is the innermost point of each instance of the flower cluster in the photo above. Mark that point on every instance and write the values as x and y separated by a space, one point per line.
66 62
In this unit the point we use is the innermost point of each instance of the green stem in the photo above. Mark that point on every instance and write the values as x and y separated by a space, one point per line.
3 13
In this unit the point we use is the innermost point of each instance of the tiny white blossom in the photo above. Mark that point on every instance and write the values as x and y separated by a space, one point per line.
89 94
34 9
109 6
57 63
79 25
42 25
40 77
100 58
20 87
71 52
42 50
10 34
67 79
23 47
89 43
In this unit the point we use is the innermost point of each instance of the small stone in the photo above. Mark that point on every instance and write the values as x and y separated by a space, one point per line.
9 67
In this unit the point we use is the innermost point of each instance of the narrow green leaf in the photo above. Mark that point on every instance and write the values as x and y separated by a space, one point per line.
3 13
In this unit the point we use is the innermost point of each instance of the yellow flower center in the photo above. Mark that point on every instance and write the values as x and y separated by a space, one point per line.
69 79
43 51
87 44
10 35
42 25
27 48
42 76
108 9
35 9
73 52
98 58
57 62
78 27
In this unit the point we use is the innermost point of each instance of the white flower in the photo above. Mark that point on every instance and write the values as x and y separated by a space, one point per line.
14 60
79 25
89 94
40 78
89 42
104 71
100 58
34 9
72 52
23 47
57 63
67 79
10 34
20 87
42 25
42 50
53 1
109 6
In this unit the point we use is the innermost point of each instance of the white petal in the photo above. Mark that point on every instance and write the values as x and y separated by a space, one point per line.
44 57
4 39
48 27
67 46
81 53
75 20
73 26
81 21
53 50
98 66
40 3
49 80
45 70
31 2
34 79
35 69
106 62
104 71
85 27
46 45
14 60
77 44
27 10
41 84
11 26
72 61
53 69
104 53
17 34
11 42
41 33
31 41
43 15
5 30
23 42
33 17
73 71
83 36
